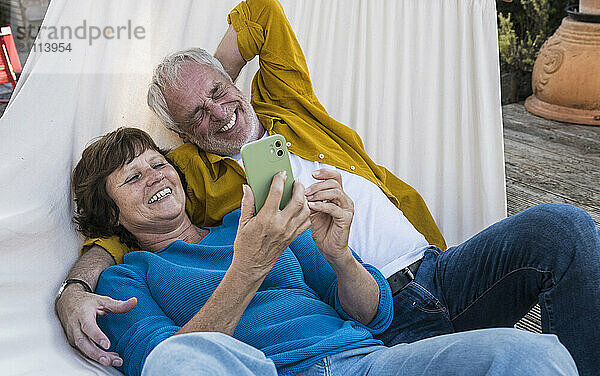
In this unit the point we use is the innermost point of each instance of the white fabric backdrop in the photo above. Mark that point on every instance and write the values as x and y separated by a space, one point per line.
419 81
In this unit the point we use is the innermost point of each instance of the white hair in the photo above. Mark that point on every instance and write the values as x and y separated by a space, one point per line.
166 74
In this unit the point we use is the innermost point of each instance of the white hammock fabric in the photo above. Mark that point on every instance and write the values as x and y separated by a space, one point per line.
418 80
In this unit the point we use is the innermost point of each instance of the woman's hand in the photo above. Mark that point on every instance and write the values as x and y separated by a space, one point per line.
259 242
263 237
331 214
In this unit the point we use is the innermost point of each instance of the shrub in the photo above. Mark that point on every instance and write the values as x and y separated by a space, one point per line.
523 26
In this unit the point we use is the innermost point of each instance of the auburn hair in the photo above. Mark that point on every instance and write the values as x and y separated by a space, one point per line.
96 214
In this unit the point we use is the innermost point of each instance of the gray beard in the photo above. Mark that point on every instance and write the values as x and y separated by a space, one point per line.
231 148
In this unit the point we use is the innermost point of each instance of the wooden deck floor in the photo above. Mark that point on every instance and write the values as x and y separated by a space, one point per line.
548 161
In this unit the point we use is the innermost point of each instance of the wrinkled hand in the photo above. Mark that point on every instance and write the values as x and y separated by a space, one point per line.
78 310
263 237
331 213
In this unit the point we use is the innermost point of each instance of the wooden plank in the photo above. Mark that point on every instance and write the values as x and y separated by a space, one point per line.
584 138
568 183
559 152
578 185
521 196
548 161
560 185
516 113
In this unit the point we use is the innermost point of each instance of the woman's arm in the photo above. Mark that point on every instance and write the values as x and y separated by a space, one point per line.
136 333
223 310
260 240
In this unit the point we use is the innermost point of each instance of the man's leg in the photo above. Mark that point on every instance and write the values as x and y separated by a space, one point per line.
548 254
498 351
206 354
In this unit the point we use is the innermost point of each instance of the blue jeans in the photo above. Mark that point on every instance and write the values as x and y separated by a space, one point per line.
206 354
548 254
499 351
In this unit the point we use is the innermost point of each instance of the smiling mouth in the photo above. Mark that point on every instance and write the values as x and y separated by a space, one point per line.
229 125
160 195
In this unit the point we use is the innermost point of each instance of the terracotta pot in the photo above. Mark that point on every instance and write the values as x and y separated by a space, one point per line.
566 75
589 6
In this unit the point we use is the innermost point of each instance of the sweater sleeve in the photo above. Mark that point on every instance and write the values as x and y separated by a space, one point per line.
320 277
385 310
134 334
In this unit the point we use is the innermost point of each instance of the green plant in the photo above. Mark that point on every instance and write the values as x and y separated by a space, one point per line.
523 26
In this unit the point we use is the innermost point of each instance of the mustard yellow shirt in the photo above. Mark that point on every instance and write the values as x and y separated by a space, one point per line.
284 101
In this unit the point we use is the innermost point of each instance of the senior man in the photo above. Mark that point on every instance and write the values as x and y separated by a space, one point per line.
549 254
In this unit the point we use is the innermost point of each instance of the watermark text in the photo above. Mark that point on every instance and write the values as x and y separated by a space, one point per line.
85 31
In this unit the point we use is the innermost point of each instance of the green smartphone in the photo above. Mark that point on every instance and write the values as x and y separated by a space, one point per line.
262 160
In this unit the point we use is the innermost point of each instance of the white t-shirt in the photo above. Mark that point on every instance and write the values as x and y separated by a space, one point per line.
380 233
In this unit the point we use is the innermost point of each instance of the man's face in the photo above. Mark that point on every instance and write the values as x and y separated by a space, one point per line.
211 111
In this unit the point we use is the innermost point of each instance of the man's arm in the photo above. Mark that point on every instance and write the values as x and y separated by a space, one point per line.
263 30
77 309
358 292
331 217
90 265
228 53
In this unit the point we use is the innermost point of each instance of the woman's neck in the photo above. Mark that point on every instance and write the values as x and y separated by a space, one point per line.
187 232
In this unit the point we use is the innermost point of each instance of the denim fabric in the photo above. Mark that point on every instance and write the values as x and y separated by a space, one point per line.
499 351
496 351
446 321
548 254
210 354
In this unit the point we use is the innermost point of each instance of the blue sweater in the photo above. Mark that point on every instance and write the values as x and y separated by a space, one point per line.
295 318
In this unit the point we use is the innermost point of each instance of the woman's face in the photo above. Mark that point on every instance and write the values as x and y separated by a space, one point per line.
148 193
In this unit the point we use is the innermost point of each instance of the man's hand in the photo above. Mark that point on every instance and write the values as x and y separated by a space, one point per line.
78 310
331 214
262 238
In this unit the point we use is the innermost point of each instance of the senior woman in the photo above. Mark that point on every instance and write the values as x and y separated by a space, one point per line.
301 297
